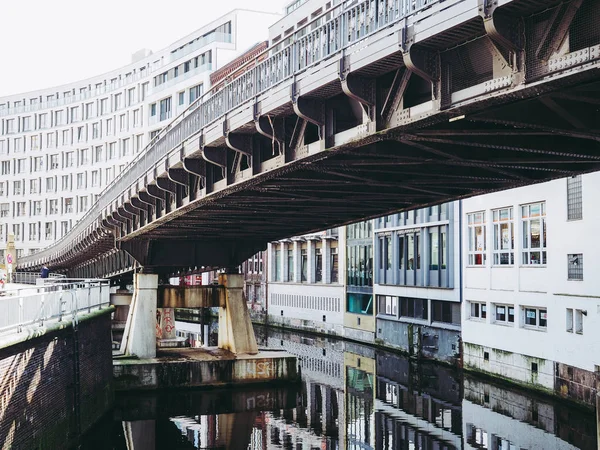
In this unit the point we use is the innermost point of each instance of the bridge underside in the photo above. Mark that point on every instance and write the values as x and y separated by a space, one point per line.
502 147
505 99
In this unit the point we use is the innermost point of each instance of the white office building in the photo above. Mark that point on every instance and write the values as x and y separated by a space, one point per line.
531 310
304 286
61 146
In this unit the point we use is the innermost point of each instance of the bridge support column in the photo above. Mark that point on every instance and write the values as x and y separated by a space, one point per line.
236 333
139 338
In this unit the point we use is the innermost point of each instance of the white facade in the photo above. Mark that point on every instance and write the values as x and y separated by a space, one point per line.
531 291
305 284
61 146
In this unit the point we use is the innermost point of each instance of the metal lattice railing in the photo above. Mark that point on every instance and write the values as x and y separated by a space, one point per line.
328 34
57 300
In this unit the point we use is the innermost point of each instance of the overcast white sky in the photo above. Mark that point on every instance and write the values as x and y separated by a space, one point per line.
46 43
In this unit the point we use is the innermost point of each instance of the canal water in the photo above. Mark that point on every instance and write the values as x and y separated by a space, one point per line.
351 397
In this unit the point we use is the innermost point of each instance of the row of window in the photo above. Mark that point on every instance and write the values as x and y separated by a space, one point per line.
533 242
79 158
530 316
70 136
84 180
83 93
75 114
419 309
48 207
37 231
317 265
415 217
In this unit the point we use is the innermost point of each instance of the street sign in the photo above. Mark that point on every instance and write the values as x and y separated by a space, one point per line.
9 258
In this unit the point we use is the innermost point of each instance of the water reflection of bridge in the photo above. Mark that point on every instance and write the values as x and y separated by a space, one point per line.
379 401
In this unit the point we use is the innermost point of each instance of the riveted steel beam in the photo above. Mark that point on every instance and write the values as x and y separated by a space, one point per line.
166 185
178 176
241 143
361 89
310 109
557 30
395 95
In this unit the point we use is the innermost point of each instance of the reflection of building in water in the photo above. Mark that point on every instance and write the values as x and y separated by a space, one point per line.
359 394
321 363
499 418
416 406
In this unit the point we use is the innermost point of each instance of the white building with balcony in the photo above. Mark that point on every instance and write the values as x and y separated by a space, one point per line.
531 310
61 146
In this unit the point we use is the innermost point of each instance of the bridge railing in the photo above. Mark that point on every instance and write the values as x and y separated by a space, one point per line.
58 300
331 32
32 277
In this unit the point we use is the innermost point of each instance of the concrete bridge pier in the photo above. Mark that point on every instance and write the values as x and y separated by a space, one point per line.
236 333
139 338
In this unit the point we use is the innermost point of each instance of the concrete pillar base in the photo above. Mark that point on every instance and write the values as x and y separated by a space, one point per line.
139 338
236 333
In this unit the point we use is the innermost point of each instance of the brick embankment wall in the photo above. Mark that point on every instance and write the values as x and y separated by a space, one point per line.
40 386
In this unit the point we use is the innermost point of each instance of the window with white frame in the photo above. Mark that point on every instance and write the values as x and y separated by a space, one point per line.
533 219
504 314
478 310
34 186
569 324
579 321
36 209
476 238
574 198
535 317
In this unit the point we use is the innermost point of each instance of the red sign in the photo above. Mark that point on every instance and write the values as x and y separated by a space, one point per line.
9 259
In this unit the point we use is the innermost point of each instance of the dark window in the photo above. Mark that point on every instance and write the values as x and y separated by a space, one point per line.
318 266
446 312
303 264
414 308
575 267
334 265
401 252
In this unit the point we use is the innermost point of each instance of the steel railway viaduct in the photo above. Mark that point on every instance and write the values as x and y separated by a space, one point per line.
373 107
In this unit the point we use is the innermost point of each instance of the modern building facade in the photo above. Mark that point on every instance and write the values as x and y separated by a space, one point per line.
359 317
61 146
531 307
304 286
417 281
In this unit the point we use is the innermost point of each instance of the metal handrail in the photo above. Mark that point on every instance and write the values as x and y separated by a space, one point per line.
32 277
348 24
55 301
